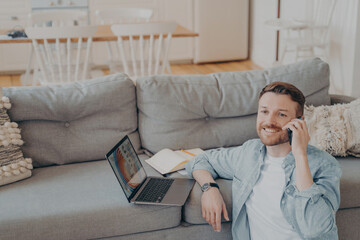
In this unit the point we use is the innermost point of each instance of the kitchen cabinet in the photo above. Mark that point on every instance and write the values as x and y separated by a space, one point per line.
223 30
14 15
164 10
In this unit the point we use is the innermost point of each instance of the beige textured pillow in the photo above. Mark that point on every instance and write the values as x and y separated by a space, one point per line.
336 128
13 166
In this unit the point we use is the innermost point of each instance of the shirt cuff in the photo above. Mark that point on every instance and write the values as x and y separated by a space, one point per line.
191 166
314 192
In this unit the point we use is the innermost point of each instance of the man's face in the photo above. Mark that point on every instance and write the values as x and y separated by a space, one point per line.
275 110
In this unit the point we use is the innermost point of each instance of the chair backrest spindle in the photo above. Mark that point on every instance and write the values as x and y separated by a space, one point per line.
142 60
58 55
87 57
166 52
68 65
151 50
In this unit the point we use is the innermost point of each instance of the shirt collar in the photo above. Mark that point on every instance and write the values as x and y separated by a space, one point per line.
288 160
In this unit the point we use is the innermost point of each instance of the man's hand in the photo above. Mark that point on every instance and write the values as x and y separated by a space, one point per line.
299 145
212 205
300 137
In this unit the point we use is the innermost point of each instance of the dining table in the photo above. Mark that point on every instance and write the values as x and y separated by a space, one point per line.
104 34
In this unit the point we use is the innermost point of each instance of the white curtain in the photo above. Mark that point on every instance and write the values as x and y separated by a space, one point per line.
343 47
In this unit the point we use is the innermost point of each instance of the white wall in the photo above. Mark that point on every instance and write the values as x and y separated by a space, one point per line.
344 57
343 42
355 90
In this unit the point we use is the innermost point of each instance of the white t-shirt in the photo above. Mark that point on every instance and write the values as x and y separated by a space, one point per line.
263 205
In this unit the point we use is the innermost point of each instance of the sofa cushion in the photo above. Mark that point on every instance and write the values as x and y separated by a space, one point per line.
76 201
216 110
349 182
74 122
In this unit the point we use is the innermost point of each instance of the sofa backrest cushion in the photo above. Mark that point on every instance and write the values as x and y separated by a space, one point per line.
74 122
216 110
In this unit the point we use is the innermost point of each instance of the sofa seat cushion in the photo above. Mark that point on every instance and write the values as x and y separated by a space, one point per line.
216 110
76 201
349 182
74 122
349 192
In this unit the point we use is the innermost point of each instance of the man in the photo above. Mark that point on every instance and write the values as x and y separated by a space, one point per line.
279 191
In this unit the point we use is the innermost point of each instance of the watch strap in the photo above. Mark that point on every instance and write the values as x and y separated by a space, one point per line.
212 184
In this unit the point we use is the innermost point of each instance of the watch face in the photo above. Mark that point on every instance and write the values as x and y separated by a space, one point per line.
205 187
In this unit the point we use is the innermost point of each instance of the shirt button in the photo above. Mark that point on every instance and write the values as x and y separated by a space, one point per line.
283 165
288 190
283 202
67 124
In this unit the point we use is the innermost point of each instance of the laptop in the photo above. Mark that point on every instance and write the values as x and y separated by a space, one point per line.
139 188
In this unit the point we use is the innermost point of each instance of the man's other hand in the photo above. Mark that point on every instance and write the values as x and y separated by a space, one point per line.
212 205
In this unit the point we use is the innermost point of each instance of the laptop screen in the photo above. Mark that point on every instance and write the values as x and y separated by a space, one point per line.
126 165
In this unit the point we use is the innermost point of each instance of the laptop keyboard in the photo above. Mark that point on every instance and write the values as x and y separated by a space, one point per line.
155 190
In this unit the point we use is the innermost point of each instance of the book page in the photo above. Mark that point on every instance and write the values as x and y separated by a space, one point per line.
165 160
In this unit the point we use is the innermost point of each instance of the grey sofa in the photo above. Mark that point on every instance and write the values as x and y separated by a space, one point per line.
73 193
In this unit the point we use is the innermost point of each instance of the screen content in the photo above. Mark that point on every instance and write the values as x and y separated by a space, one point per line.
127 167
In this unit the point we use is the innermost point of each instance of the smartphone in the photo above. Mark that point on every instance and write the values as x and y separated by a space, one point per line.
290 132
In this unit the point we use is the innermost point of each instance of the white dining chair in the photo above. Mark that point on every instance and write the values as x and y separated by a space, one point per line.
310 38
50 18
148 49
120 15
59 61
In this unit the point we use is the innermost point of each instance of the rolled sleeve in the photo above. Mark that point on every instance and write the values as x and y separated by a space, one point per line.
221 162
313 193
316 206
200 162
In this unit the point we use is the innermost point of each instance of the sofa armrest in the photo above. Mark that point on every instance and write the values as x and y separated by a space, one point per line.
335 99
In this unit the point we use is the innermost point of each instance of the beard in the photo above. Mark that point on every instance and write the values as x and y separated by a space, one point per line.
279 137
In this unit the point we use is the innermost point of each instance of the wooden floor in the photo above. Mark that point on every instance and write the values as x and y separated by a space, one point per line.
177 69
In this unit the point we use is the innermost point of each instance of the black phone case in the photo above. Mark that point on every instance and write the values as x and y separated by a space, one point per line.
290 132
290 135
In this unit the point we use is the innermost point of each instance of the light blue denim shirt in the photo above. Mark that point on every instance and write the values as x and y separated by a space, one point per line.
310 212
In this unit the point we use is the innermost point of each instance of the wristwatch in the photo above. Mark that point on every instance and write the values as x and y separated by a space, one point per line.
207 186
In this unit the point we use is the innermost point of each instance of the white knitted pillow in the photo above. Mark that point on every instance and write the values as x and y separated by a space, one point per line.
336 128
13 166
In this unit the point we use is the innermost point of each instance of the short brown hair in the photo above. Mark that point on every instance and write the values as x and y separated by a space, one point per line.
286 89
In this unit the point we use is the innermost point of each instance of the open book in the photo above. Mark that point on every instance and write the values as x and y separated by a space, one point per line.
167 161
